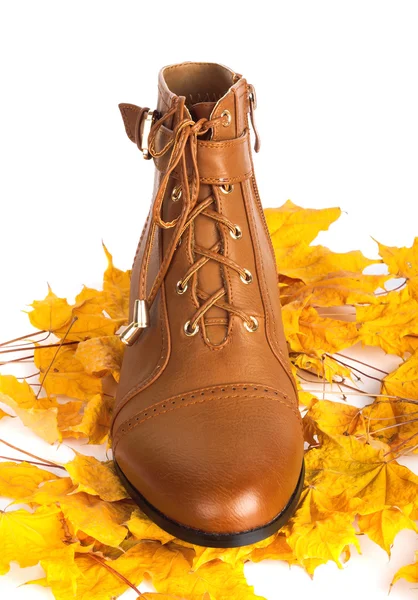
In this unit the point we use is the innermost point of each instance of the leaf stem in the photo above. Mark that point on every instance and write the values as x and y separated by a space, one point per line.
394 399
114 572
353 368
73 320
18 360
23 337
56 345
31 462
45 460
360 362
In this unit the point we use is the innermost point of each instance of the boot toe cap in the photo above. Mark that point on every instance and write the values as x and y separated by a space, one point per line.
216 462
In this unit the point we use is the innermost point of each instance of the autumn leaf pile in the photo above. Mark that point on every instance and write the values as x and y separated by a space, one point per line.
77 521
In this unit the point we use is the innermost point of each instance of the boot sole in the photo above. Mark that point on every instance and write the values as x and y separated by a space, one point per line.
214 540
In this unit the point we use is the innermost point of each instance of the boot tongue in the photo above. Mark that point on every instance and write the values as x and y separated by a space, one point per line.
206 234
201 110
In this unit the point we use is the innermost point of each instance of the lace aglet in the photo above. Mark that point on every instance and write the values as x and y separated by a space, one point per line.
140 322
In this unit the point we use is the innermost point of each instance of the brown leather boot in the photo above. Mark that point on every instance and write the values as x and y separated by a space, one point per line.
206 432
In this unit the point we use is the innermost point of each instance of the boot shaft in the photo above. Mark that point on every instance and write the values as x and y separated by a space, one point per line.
210 280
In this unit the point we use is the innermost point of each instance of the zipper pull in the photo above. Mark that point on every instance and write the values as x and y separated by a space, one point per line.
253 105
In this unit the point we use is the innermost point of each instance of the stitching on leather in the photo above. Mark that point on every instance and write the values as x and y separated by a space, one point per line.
227 144
126 121
224 388
280 356
227 339
218 388
177 66
147 253
164 133
163 263
263 277
225 272
226 179
144 383
134 421
163 96
141 238
216 321
206 144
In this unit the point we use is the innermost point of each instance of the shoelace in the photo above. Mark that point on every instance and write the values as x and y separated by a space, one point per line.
185 133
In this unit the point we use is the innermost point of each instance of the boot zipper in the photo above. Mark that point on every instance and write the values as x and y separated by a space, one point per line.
253 105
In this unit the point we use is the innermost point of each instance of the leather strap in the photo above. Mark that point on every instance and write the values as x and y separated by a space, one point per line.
220 162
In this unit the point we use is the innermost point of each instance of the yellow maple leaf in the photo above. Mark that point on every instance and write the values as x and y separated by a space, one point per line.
99 519
392 325
18 480
101 356
40 415
95 581
403 381
96 478
5 414
403 262
85 319
278 549
315 334
292 229
96 419
319 531
20 391
379 421
345 465
50 492
217 578
290 223
63 374
325 366
83 512
313 263
51 313
232 556
410 572
28 537
323 540
157 596
116 286
383 526
60 565
169 570
69 415
336 289
336 418
143 528
90 317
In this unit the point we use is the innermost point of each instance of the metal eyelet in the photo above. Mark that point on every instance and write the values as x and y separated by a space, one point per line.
176 193
248 277
227 188
227 114
180 287
192 332
254 327
237 234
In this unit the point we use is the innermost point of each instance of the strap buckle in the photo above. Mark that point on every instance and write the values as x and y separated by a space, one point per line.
148 123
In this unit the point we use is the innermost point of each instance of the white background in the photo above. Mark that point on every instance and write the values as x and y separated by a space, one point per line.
338 96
